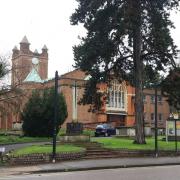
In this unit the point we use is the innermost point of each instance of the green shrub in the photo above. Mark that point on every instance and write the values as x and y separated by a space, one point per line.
88 132
38 113
62 132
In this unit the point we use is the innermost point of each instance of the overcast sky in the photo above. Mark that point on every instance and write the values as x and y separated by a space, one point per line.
47 22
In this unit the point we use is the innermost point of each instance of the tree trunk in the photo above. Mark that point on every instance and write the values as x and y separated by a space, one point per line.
138 72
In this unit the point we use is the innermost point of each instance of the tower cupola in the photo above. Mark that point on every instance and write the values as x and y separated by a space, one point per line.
24 45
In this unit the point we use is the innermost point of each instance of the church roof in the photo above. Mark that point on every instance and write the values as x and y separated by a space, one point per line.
33 76
24 40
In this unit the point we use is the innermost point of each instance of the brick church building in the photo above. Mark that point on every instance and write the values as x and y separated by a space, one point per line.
30 71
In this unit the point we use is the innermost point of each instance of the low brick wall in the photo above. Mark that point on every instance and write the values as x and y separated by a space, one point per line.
47 158
144 153
43 158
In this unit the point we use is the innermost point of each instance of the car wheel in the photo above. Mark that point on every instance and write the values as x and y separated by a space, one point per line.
105 134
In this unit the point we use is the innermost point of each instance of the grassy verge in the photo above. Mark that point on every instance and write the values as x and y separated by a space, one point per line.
127 143
13 139
47 149
9 139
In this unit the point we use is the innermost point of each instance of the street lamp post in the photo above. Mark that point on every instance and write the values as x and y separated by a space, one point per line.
156 124
175 121
55 118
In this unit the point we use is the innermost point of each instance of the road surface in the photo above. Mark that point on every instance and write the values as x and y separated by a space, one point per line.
141 173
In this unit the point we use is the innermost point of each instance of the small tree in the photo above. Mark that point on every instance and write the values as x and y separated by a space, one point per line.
38 113
3 67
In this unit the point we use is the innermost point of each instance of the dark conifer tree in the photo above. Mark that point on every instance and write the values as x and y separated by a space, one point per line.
38 114
171 88
124 37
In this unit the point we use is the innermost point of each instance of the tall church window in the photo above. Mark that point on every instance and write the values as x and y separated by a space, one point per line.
117 96
123 99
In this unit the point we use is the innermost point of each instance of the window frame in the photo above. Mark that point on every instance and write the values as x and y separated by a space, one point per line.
117 97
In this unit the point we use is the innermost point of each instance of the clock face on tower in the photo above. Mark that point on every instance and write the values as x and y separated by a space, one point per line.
35 61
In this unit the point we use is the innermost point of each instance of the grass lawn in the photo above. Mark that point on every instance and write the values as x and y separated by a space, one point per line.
10 139
47 149
127 143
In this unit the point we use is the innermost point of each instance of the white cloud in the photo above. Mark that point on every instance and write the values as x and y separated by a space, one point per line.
43 22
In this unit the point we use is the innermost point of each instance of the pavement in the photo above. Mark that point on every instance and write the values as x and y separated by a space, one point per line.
80 165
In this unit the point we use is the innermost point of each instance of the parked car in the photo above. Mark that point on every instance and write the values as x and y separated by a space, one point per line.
105 130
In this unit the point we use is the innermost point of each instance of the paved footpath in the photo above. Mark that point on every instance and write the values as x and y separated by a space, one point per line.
80 165
10 147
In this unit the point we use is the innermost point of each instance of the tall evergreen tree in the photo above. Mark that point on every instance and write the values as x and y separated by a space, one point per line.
124 37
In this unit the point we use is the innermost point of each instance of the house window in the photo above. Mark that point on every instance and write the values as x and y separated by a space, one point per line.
160 117
144 98
152 99
152 117
159 99
145 116
117 95
123 99
111 99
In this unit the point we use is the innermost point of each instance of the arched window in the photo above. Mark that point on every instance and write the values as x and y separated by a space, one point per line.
117 95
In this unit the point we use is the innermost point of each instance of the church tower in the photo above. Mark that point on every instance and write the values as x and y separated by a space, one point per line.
22 62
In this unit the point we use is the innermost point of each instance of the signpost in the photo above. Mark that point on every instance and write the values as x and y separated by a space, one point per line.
175 121
2 150
173 129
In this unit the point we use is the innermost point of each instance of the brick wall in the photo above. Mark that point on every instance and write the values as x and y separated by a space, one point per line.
43 158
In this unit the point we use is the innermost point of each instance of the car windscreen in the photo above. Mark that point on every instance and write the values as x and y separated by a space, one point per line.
104 126
99 126
107 126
